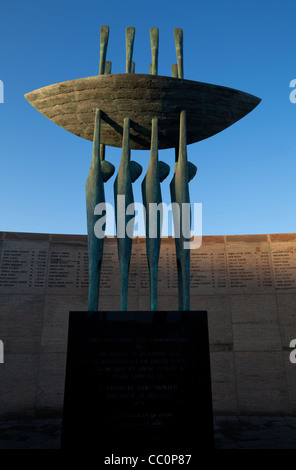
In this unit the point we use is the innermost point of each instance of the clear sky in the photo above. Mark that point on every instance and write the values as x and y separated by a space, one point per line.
246 174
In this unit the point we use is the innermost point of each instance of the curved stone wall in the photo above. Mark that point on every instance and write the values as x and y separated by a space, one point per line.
246 283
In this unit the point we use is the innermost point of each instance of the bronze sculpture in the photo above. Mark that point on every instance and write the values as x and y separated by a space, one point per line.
139 111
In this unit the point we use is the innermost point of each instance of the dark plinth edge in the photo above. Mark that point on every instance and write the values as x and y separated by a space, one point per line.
138 382
221 347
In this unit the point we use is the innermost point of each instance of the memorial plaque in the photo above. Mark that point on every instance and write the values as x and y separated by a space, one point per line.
68 268
23 267
249 267
110 270
209 270
138 383
284 263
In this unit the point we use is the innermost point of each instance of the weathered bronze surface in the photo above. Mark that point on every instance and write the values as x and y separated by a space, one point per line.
209 108
154 41
180 195
141 112
151 193
129 40
104 36
94 191
127 173
178 34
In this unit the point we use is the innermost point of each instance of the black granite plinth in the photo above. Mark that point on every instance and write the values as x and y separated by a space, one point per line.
138 383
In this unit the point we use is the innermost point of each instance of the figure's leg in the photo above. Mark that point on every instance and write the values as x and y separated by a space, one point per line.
123 196
151 193
180 195
94 189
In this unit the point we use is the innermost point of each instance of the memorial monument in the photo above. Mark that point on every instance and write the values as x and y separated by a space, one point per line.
139 374
138 111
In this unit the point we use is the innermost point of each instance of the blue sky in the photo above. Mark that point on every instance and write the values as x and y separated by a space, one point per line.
246 174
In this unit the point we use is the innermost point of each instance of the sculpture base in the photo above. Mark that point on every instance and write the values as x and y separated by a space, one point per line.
138 384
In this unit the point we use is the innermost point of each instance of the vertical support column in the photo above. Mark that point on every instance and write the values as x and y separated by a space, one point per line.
128 172
108 65
174 70
107 71
107 168
129 40
180 190
94 189
154 41
178 34
123 197
100 171
181 214
179 187
104 36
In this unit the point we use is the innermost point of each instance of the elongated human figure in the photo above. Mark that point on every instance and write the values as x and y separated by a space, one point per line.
100 172
151 193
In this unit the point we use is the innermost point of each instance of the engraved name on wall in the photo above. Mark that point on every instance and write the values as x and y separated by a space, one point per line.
227 267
